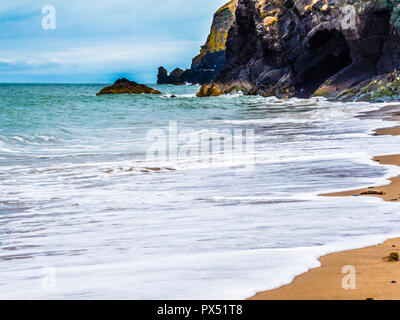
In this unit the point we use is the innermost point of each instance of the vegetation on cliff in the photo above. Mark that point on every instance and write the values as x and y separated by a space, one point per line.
223 20
206 65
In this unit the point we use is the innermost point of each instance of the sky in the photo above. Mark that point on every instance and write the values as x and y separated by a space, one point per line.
99 41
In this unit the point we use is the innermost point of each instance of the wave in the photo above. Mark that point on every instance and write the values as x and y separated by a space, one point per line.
254 200
35 139
176 96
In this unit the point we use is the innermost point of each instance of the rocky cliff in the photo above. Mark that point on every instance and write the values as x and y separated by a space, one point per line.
208 63
341 49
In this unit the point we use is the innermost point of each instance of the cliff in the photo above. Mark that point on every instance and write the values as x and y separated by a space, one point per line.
339 49
206 65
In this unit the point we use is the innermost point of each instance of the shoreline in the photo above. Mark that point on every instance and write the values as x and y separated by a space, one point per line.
325 282
389 192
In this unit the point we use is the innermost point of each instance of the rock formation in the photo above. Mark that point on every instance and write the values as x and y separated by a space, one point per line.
207 64
176 77
300 48
125 86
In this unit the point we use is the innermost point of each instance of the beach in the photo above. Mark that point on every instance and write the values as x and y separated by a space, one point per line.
376 278
83 200
226 150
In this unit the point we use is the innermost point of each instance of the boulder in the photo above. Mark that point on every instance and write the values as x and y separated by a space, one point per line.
211 90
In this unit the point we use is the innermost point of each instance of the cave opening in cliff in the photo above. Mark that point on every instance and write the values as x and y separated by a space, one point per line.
331 54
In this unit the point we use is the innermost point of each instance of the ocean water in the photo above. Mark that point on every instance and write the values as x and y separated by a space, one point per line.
86 213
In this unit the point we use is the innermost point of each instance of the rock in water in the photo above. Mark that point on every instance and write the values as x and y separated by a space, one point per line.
211 90
207 64
125 86
175 77
297 48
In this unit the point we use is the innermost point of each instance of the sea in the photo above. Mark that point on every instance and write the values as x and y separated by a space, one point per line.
114 196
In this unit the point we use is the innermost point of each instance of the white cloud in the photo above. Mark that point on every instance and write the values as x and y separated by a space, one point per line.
9 65
121 53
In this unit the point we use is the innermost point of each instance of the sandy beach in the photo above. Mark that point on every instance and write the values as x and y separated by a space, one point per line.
376 276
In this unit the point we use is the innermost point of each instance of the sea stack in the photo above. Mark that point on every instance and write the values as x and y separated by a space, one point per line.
123 86
206 65
342 50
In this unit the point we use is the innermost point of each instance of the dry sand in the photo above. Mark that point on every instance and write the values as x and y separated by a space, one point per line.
375 277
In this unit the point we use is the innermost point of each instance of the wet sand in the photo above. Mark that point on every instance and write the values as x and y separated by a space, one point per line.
375 277
395 131
390 192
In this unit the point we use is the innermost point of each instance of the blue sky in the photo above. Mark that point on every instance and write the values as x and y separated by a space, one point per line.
97 41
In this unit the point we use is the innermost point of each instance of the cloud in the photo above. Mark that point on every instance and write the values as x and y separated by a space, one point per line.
95 62
119 52
101 37
8 65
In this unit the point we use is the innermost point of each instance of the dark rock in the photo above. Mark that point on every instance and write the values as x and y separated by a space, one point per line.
372 192
302 48
162 76
393 256
380 88
206 65
174 78
123 85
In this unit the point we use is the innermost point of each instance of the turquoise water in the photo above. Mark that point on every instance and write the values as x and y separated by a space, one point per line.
86 213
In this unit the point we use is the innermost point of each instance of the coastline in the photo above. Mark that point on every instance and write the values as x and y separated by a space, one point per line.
390 192
325 282
376 278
